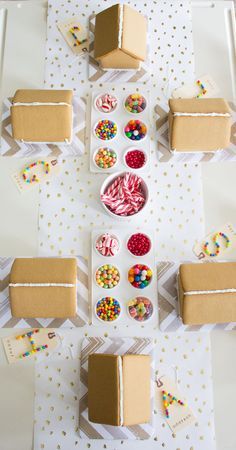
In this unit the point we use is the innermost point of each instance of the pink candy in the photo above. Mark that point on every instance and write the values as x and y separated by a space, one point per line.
107 245
124 196
106 103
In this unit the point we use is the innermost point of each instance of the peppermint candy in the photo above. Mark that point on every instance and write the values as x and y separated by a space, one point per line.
107 245
106 103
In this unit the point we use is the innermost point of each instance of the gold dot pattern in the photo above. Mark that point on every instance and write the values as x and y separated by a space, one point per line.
57 416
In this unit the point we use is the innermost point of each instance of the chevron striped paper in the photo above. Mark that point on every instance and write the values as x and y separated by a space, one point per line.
169 319
81 319
9 147
118 346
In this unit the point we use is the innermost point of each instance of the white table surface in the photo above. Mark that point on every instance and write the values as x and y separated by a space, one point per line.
18 235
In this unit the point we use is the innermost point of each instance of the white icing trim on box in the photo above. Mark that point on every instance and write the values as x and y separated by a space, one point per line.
121 388
212 114
121 17
41 104
174 151
66 285
214 291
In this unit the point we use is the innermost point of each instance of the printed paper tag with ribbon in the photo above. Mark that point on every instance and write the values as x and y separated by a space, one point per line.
194 89
75 35
173 405
19 344
217 244
36 172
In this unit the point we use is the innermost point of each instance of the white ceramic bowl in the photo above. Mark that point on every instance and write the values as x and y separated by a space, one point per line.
141 322
101 287
104 321
135 114
108 181
134 142
100 110
96 239
105 142
96 151
130 149
136 256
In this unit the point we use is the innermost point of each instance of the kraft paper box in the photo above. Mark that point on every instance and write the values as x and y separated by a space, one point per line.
120 38
207 292
199 124
119 389
42 115
43 287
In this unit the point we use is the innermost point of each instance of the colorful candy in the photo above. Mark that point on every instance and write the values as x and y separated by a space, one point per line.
139 244
108 309
105 158
107 276
216 244
34 347
140 276
34 178
106 130
106 103
107 245
125 195
135 103
140 308
135 159
135 130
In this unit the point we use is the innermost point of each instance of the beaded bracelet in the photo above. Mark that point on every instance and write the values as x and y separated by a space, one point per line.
34 178
203 89
216 243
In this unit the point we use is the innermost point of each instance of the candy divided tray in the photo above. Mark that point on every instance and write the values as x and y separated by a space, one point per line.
120 144
124 291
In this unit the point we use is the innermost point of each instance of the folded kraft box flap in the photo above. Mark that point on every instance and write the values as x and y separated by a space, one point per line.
43 287
199 124
120 38
42 115
115 394
207 292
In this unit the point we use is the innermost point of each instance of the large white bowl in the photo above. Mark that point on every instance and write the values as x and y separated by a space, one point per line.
109 180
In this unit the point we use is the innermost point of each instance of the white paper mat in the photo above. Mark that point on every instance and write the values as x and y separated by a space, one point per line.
57 395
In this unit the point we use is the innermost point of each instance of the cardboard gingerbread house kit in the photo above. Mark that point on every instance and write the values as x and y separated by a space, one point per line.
120 38
199 124
43 287
120 399
207 292
42 115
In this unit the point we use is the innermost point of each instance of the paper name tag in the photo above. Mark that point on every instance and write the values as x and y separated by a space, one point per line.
14 347
54 169
75 35
229 231
179 416
192 90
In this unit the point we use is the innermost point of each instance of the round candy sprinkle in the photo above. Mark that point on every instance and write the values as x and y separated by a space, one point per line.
135 159
135 130
135 103
106 103
107 245
140 308
140 276
107 276
139 244
105 158
106 129
108 309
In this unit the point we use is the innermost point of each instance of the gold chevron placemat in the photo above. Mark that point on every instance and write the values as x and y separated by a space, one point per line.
9 147
81 319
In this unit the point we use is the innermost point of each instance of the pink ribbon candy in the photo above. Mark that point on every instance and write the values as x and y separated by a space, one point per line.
124 196
107 245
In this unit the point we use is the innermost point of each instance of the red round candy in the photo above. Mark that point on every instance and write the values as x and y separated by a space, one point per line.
135 159
139 244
